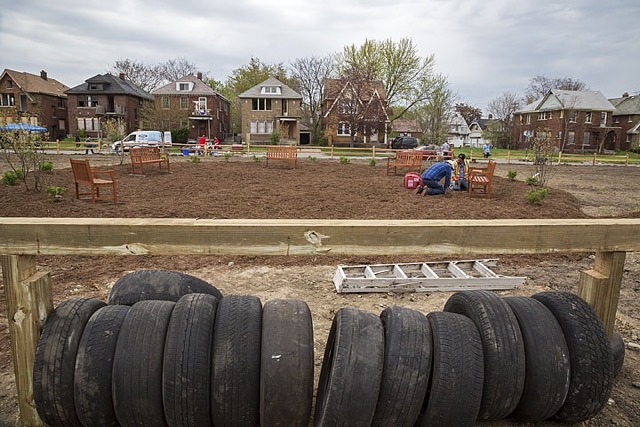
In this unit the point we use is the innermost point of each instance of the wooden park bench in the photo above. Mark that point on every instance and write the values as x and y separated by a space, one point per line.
84 175
411 159
141 156
288 153
480 179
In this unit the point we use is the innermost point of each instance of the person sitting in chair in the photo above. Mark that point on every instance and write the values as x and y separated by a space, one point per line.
433 175
461 172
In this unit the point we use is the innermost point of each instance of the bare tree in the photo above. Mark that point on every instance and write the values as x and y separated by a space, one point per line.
468 112
543 146
502 109
146 77
540 85
311 73
175 69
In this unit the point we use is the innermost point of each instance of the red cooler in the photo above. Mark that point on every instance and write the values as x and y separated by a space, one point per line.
412 180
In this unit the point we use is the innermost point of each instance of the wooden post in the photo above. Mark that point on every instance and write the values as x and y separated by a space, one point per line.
559 157
373 152
600 287
29 303
594 159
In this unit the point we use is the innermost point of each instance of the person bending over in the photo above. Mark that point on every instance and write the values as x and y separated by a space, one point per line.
432 177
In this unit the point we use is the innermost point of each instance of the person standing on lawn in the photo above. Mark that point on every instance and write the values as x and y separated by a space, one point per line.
432 177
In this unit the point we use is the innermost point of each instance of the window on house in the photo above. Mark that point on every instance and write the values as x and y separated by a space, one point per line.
521 119
528 119
270 90
616 120
629 120
561 114
345 106
184 103
261 104
62 103
87 101
603 118
544 115
183 86
89 123
285 107
8 100
9 84
573 115
165 102
202 103
344 128
587 117
95 86
585 138
62 124
571 138
261 126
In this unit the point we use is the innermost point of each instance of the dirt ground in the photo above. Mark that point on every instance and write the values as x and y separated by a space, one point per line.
245 188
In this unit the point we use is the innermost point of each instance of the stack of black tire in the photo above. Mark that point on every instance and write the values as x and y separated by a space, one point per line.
169 350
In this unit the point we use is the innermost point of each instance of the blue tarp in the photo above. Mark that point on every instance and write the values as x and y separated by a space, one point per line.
23 127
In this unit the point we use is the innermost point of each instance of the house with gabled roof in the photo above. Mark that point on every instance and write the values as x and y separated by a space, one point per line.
476 128
34 99
104 97
355 111
190 102
271 108
406 127
580 121
627 117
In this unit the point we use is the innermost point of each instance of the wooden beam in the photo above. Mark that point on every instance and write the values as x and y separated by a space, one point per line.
160 236
600 287
29 303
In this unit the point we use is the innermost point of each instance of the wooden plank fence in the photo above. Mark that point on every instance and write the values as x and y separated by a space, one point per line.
29 292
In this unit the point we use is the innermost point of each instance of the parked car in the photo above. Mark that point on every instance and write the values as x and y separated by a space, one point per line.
404 142
143 138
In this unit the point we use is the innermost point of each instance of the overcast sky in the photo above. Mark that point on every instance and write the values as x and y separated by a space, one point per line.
485 48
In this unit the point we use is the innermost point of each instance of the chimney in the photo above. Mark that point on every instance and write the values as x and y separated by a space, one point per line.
43 74
199 75
625 95
121 76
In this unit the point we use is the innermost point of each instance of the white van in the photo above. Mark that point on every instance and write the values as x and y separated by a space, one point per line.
143 138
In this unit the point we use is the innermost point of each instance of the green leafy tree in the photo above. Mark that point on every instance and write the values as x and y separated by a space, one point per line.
408 78
246 77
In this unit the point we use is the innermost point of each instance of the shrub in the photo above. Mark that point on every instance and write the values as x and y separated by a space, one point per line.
344 160
372 162
312 159
512 175
537 196
55 193
195 159
274 138
46 166
227 156
532 180
10 178
256 159
180 135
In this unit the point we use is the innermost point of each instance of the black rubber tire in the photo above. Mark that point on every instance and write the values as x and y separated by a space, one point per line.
137 365
455 390
235 378
617 347
187 361
406 369
504 360
590 354
351 370
164 285
55 361
94 364
286 368
547 360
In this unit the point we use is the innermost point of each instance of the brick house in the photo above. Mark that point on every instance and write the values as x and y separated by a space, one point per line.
627 117
271 107
581 121
360 106
189 102
102 97
34 99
